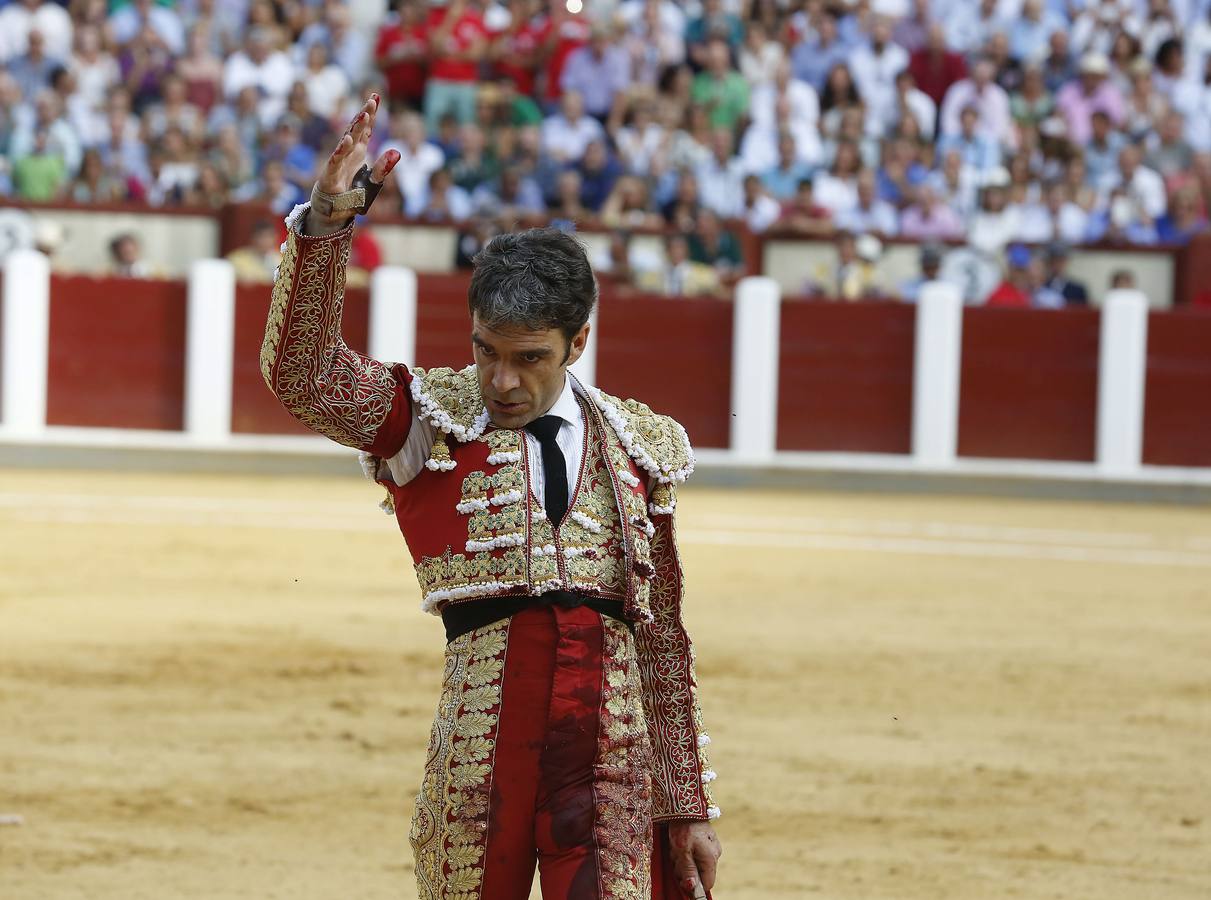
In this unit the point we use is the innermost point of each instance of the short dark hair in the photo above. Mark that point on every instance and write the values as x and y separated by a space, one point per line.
535 279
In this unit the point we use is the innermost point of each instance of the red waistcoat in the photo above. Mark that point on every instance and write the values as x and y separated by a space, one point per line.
476 529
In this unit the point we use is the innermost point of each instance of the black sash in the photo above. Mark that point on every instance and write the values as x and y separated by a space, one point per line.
459 618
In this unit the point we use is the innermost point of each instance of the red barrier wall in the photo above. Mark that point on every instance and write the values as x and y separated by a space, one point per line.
117 353
254 410
1028 384
1177 389
443 327
845 377
673 354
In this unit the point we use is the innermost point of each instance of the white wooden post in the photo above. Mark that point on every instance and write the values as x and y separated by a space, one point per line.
756 324
1122 362
26 345
393 314
937 354
209 349
585 368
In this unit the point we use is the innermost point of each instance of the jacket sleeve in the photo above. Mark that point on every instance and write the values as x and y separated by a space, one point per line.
341 394
681 771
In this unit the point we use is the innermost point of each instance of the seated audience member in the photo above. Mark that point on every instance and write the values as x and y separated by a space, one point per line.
1122 280
713 245
782 181
1056 277
802 215
930 260
855 274
567 134
680 276
126 258
629 206
930 219
870 215
259 259
1020 282
445 201
760 209
1185 218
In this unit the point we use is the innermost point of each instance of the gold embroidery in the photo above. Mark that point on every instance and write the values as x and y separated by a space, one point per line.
449 399
658 443
597 558
325 385
450 824
621 778
455 576
670 692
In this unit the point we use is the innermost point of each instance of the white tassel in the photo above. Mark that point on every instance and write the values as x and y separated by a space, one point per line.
467 507
703 739
505 456
588 523
713 812
516 539
506 498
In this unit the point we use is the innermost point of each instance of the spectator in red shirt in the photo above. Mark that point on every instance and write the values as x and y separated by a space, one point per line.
458 41
935 67
402 53
517 50
562 33
1017 290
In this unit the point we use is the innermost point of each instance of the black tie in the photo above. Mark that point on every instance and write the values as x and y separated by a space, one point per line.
554 469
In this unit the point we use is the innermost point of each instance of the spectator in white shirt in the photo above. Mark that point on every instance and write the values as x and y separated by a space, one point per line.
131 19
1140 184
327 84
51 20
639 141
837 188
988 98
760 209
566 134
875 67
347 47
911 102
260 66
721 178
760 56
968 26
870 214
1056 218
96 70
419 158
803 105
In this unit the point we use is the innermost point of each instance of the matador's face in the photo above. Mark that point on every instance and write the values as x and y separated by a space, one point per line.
521 371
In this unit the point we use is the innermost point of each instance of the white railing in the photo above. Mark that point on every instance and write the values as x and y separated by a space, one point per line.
754 395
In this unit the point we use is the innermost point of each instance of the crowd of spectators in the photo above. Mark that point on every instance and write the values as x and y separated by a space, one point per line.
992 122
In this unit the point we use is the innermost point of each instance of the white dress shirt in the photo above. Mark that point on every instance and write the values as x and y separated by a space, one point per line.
410 460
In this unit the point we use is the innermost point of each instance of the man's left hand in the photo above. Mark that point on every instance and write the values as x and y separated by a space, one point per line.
696 851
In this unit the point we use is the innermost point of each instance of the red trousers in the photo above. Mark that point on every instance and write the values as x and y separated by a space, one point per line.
540 755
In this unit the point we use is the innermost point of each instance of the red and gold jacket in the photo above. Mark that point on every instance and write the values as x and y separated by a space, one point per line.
473 524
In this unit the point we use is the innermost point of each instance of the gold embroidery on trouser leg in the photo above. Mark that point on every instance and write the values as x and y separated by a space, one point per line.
450 826
621 777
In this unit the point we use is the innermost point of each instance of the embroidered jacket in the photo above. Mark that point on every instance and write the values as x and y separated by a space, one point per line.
471 520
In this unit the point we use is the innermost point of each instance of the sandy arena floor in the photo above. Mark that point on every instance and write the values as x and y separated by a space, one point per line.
221 687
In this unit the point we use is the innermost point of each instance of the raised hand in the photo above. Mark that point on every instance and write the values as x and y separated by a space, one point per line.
346 159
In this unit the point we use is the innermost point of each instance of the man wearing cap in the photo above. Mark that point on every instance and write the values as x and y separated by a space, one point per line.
1091 90
539 515
1017 290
